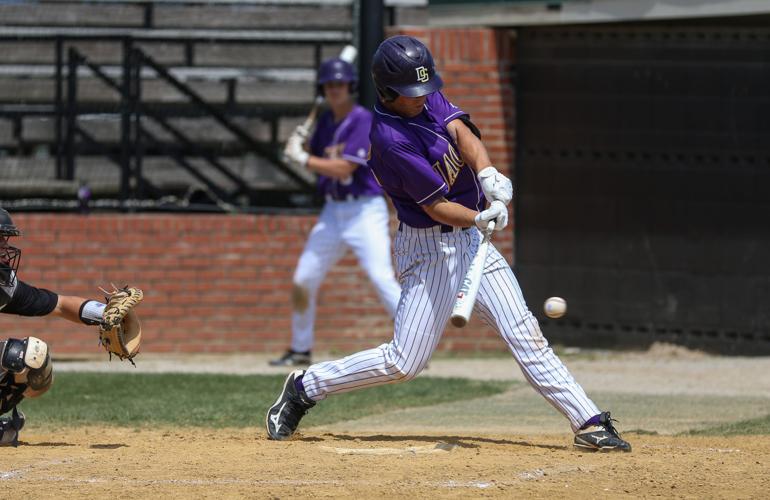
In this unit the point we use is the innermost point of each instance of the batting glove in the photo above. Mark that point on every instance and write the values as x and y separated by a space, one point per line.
302 131
495 185
497 212
294 153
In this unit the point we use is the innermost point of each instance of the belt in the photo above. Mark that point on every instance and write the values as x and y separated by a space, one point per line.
347 197
444 228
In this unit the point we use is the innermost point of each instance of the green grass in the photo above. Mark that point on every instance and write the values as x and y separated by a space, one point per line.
752 426
221 400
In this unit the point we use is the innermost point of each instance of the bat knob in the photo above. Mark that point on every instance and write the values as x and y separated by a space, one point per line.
459 321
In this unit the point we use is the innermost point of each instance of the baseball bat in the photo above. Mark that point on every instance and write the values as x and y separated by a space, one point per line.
469 288
347 54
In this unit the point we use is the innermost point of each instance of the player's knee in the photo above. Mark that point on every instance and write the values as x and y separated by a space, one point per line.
39 380
300 297
409 370
30 362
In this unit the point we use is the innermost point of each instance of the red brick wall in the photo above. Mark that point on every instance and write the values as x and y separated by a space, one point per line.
218 283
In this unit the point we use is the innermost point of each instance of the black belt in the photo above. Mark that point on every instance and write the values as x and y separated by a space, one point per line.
445 228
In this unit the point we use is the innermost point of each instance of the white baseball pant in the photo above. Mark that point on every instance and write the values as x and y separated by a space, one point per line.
430 266
361 225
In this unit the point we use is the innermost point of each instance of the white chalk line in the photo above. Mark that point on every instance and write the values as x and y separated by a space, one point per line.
260 482
471 484
516 478
20 472
440 447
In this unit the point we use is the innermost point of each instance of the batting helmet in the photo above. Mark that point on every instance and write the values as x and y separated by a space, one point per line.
403 66
336 70
10 257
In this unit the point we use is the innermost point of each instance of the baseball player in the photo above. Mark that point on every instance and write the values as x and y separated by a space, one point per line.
25 364
355 214
427 155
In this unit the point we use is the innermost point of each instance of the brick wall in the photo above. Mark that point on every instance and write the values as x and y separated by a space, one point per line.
222 283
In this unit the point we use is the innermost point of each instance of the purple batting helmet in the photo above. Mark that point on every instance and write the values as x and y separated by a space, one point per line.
403 66
336 70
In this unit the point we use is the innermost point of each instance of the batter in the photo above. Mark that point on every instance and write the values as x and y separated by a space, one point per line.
428 158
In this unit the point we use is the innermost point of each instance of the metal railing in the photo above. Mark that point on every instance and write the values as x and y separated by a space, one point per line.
134 135
65 106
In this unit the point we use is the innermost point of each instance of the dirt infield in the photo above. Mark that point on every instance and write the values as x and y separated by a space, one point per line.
508 445
127 463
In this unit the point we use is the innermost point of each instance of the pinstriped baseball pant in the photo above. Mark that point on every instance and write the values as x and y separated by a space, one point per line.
430 267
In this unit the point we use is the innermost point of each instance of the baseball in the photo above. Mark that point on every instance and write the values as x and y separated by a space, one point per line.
555 307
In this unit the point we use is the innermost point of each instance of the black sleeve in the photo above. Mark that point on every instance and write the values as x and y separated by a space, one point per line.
466 119
31 301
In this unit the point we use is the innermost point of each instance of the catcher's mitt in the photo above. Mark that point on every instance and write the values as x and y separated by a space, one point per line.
120 331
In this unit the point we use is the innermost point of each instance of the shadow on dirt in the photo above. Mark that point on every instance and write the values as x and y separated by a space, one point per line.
460 441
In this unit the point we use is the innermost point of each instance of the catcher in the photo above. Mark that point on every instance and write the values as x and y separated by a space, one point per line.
25 364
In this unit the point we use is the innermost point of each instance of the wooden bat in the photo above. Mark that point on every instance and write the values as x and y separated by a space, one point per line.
469 288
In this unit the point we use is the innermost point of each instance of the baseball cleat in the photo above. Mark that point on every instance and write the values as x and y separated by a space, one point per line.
283 417
292 358
601 437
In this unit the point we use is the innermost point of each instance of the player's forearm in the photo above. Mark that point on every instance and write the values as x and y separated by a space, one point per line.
68 307
472 150
335 168
450 213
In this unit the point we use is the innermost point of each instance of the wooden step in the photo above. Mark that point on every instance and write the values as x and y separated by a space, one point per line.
249 91
36 176
106 128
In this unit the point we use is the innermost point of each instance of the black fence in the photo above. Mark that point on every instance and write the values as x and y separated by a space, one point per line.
643 173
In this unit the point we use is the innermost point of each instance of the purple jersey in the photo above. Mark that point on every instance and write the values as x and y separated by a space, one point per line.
349 140
416 161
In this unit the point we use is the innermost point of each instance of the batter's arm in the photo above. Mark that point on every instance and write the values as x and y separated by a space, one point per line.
471 148
450 213
336 168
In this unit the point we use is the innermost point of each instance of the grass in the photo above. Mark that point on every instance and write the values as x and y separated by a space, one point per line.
221 400
754 426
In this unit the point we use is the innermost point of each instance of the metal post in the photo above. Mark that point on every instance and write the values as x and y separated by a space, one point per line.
136 108
73 59
230 86
189 54
274 134
356 16
126 188
149 18
317 55
59 107
372 33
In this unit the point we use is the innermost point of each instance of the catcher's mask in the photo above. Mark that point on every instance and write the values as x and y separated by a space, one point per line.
10 256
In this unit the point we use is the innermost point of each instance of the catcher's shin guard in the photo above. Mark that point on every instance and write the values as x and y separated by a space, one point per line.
10 427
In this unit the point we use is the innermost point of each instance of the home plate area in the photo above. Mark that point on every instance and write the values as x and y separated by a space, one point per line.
141 463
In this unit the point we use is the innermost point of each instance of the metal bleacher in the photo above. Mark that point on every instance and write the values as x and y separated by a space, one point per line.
105 92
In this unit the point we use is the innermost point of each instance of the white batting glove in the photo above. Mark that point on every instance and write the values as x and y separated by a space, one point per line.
302 131
497 212
495 185
294 152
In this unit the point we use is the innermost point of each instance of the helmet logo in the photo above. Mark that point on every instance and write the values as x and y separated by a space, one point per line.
422 74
